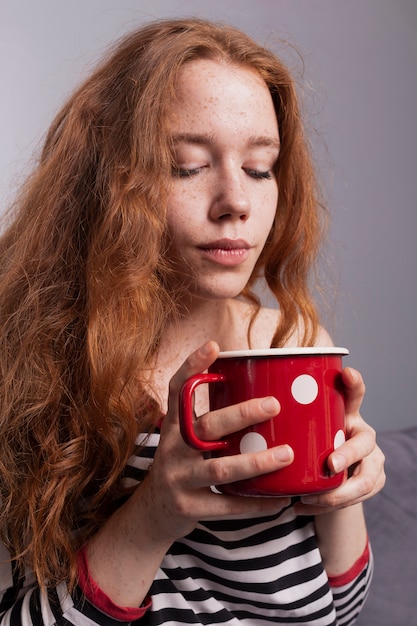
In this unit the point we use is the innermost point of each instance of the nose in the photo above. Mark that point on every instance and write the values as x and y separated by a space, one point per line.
230 199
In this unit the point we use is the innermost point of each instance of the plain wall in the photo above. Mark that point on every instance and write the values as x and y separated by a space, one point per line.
360 76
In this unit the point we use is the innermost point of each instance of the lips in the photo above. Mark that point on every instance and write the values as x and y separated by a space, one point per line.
227 252
226 244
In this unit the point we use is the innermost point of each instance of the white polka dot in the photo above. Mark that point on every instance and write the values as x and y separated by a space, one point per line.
305 389
339 438
253 442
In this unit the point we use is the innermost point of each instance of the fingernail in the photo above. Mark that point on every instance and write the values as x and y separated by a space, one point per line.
309 499
283 453
206 349
353 374
270 405
339 462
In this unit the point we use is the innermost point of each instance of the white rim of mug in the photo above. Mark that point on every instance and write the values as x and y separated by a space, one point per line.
316 350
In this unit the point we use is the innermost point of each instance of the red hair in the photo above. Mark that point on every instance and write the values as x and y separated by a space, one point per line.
84 282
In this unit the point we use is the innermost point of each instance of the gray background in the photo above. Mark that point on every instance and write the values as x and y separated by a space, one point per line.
361 98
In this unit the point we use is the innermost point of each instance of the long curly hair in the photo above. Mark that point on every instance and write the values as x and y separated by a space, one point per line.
84 283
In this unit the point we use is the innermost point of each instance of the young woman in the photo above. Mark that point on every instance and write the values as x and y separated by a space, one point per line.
173 179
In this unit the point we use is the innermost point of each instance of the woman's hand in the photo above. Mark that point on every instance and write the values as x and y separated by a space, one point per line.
125 554
359 455
177 488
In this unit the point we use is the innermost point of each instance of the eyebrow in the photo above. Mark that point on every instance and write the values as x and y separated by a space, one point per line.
206 138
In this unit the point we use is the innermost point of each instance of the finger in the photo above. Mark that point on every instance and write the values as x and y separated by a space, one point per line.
361 443
224 470
367 479
222 422
353 492
221 505
196 363
354 390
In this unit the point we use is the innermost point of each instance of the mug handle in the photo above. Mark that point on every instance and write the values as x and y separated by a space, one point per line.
186 413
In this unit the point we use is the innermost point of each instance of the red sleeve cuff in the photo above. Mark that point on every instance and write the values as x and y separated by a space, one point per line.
98 598
353 572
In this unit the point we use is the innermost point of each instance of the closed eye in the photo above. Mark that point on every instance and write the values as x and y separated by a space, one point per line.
181 172
258 175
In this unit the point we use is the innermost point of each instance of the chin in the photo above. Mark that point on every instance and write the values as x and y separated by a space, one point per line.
220 288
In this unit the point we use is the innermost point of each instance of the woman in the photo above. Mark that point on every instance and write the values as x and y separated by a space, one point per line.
174 178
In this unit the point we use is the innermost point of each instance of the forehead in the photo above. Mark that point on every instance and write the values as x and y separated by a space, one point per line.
220 93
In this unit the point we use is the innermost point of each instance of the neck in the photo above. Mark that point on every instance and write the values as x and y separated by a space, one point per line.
224 321
201 321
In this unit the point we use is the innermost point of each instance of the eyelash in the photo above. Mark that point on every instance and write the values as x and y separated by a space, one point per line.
259 175
180 172
186 173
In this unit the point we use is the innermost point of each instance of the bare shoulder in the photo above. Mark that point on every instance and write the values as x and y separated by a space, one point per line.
266 323
241 316
264 327
323 338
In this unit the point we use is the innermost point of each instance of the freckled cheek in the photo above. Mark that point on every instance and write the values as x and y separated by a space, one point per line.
184 209
186 198
181 224
267 203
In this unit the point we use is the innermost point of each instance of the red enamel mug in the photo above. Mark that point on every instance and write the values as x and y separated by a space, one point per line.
307 384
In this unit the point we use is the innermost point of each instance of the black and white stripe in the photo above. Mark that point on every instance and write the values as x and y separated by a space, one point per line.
254 571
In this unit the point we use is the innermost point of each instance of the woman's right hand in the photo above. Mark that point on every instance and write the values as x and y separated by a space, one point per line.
127 551
177 488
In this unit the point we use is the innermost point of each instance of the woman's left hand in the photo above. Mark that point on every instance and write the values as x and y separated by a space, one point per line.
359 455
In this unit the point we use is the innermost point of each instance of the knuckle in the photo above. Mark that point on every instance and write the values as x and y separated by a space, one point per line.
333 499
245 411
218 472
203 427
251 412
335 502
183 507
368 484
257 464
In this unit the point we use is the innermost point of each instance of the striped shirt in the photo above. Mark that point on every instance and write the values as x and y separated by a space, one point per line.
255 571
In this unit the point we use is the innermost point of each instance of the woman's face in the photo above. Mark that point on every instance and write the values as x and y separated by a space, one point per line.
223 194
